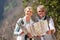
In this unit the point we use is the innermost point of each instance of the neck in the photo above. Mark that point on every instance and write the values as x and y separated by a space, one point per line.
28 18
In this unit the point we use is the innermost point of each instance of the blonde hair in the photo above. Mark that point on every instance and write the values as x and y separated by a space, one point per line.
25 10
40 7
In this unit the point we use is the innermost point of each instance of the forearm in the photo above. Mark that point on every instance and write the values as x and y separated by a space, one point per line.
18 32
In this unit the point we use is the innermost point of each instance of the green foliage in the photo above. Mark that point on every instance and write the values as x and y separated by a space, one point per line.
53 10
52 6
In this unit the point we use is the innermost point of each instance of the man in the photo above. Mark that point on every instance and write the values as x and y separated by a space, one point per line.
26 22
41 15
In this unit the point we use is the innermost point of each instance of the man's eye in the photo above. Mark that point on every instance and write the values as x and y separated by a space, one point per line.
41 11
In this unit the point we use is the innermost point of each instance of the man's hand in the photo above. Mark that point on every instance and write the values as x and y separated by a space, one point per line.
50 32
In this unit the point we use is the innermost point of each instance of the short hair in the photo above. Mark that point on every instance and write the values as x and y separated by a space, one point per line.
28 7
40 6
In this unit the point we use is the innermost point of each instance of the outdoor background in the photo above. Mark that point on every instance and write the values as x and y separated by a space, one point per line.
12 10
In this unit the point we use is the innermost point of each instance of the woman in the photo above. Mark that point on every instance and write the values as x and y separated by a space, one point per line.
27 21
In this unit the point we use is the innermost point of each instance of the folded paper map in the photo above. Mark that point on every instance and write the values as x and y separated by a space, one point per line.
38 28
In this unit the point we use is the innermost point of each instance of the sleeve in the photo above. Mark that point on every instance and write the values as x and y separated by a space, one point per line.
51 24
17 29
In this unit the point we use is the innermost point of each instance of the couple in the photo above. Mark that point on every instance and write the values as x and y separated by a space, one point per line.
27 21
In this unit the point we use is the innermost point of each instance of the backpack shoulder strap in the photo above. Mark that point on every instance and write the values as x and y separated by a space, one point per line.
48 18
22 21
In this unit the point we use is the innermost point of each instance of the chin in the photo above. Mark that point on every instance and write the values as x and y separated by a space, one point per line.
41 16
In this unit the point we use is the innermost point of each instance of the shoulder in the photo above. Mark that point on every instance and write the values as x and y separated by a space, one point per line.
31 21
50 19
36 19
19 20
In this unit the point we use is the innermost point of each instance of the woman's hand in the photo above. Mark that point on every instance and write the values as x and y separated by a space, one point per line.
48 32
21 33
29 35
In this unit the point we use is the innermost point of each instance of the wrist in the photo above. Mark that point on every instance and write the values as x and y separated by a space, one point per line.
21 33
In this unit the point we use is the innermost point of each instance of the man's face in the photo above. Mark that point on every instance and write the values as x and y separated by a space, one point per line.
41 12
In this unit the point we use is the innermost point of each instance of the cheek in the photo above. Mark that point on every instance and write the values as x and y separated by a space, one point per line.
40 13
44 13
31 14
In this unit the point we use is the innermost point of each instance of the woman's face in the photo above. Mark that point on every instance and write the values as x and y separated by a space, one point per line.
29 12
41 12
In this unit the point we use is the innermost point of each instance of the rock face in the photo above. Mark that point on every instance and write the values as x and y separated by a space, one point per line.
2 3
10 15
